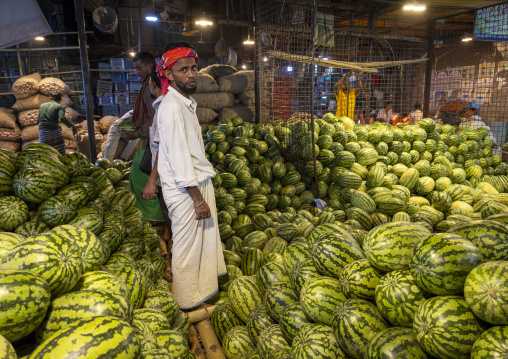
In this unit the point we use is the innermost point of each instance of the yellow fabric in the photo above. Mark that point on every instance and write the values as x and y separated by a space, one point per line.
345 106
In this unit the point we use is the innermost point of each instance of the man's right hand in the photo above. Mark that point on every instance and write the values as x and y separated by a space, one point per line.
129 135
202 211
149 191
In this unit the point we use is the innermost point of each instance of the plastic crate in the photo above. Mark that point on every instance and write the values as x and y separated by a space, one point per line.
123 109
121 87
104 66
135 86
104 87
106 100
105 75
50 63
121 98
129 65
133 77
118 77
7 101
117 63
110 110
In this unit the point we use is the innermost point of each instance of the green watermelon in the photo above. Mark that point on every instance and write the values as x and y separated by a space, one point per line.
257 321
355 322
302 272
31 228
441 263
237 343
163 301
13 213
316 341
6 349
270 273
33 185
493 343
271 340
155 319
173 342
319 297
292 319
278 296
56 211
24 299
359 279
136 283
486 292
395 343
244 295
446 328
102 280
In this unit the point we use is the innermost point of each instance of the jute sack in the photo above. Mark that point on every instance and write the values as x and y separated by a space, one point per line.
82 143
30 133
206 115
31 103
237 83
10 146
106 122
217 71
247 98
28 117
70 144
26 143
9 134
214 100
206 83
7 118
67 133
26 86
71 114
236 111
52 84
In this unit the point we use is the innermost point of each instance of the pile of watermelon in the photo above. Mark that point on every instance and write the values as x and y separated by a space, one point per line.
408 260
81 272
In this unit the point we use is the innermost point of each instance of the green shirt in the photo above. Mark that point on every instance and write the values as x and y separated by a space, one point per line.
49 115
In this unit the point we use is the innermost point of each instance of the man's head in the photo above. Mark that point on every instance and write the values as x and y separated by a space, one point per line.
418 106
179 66
388 105
56 96
155 84
143 63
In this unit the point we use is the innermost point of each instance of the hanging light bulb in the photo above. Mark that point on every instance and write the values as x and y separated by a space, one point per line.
152 17
248 41
203 21
132 53
39 38
414 6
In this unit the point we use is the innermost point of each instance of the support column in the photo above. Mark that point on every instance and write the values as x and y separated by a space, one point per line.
430 64
257 63
85 69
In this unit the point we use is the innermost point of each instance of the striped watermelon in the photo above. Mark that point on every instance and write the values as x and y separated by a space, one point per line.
252 259
56 211
493 343
355 322
43 255
244 295
110 335
101 280
446 328
441 263
319 297
77 164
302 272
69 309
257 321
31 228
486 292
489 236
13 213
271 340
332 251
155 354
224 319
395 343
163 301
49 164
155 319
256 239
6 349
278 296
363 201
316 341
292 319
24 299
397 239
359 279
233 272
136 283
33 185
173 342
271 273
295 253
7 242
237 343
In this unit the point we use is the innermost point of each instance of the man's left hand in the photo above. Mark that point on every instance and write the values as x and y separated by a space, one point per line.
129 135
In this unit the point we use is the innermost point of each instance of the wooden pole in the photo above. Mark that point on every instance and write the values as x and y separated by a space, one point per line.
212 346
200 314
194 345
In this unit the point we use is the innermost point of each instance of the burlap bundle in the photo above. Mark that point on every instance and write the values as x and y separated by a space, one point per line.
71 144
52 84
236 111
217 71
9 134
238 82
31 133
7 118
26 86
71 114
10 146
28 118
31 103
106 122
206 83
214 100
206 115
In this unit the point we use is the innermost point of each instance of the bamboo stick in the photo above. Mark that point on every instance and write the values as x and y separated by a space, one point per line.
194 345
201 314
209 339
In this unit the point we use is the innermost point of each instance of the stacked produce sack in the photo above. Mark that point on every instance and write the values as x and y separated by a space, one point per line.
78 261
10 132
31 92
223 92
409 258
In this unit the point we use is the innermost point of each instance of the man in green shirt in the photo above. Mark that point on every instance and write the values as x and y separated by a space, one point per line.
50 131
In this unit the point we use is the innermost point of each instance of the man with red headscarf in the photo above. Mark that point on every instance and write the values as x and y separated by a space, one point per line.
186 183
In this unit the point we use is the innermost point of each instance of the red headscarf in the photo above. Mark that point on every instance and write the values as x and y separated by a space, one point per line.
169 59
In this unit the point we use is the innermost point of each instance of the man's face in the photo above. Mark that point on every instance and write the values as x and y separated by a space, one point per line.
389 107
345 86
142 70
183 76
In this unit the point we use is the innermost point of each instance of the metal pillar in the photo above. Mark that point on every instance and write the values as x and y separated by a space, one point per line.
20 63
257 62
139 25
430 64
312 88
83 51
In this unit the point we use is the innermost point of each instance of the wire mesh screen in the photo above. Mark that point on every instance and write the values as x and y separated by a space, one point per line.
471 67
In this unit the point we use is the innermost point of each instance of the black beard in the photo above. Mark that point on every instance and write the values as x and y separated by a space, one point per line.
187 90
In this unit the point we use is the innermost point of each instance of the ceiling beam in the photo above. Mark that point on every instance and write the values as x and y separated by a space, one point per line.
332 5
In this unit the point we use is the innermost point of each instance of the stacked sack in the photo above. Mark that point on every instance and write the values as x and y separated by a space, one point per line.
224 92
31 92
82 139
10 133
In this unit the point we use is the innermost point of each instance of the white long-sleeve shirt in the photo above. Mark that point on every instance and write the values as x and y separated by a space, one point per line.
154 130
385 115
182 161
